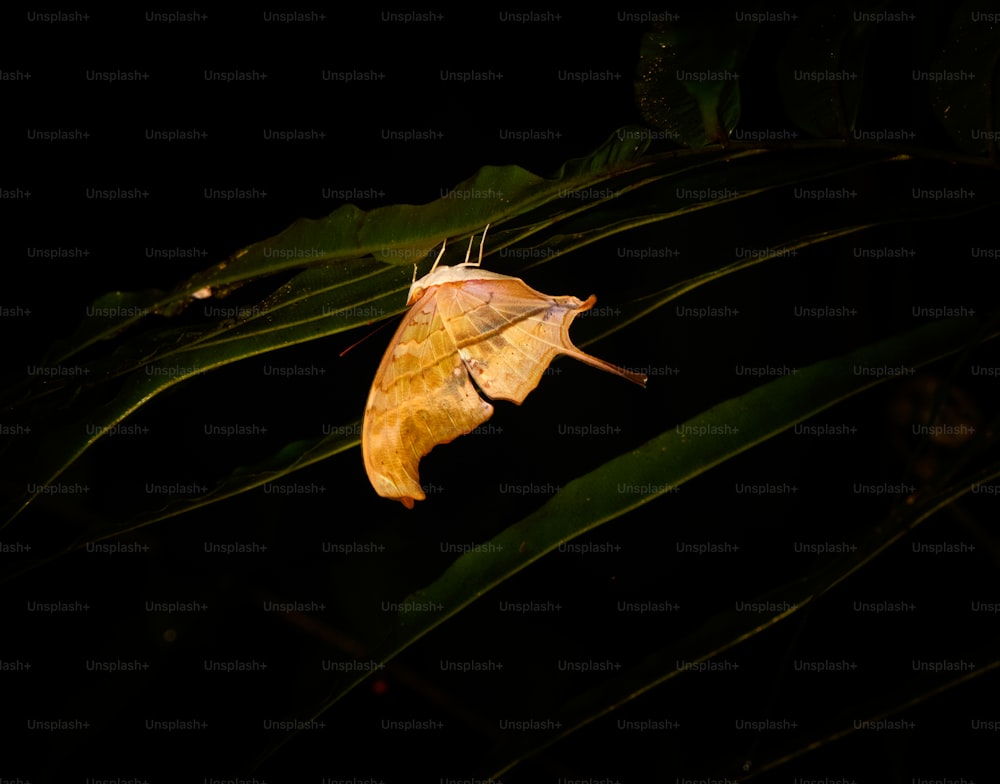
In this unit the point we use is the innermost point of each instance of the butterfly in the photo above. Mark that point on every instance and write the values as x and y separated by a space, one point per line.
468 331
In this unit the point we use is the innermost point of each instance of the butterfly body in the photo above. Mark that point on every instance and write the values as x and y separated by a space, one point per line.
460 273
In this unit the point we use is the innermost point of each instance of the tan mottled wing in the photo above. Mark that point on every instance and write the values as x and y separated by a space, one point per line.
498 330
507 334
421 397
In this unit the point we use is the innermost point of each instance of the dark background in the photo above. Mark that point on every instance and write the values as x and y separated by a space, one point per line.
473 120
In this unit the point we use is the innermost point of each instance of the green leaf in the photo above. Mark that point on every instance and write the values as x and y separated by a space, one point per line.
820 71
962 92
658 467
340 286
325 299
687 85
722 632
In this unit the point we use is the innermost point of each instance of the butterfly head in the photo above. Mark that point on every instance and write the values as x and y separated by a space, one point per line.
467 270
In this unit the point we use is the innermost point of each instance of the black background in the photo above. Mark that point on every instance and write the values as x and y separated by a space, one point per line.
473 120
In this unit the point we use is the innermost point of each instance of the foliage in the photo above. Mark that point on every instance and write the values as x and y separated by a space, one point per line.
694 178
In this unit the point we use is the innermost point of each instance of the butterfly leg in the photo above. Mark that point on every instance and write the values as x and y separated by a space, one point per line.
468 253
444 242
481 243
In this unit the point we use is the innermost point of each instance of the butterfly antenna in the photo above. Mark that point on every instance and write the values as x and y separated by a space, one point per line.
379 328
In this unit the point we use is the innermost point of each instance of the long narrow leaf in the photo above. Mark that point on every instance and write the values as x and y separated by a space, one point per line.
657 467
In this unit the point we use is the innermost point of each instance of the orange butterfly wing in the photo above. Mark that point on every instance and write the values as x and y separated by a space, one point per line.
492 327
507 334
421 397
